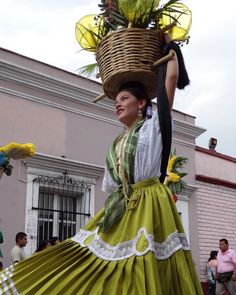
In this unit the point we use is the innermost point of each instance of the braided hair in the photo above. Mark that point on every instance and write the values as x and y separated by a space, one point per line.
163 103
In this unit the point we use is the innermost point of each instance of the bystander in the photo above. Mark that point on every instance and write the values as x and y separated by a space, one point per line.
17 252
226 269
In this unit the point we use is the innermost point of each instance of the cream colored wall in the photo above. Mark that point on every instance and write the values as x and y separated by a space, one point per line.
215 167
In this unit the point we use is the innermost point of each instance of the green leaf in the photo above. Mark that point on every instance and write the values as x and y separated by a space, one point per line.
89 71
182 174
170 187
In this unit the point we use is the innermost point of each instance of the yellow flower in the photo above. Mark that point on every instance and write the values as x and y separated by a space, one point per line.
171 163
173 177
16 150
89 30
183 16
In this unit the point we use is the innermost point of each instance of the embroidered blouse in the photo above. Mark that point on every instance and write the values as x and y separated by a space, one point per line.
147 156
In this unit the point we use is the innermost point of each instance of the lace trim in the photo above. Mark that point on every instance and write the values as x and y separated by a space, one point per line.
98 247
6 282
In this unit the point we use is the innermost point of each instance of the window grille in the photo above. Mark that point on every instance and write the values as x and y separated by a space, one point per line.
63 206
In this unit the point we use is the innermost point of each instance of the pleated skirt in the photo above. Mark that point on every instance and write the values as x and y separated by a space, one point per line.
145 253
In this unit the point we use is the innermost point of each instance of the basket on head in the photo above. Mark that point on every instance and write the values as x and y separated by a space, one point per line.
128 55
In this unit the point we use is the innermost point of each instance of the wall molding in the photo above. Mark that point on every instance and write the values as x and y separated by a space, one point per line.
40 81
183 143
179 127
58 164
190 189
190 130
215 181
59 106
215 154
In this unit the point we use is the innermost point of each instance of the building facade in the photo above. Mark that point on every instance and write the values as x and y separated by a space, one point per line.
216 202
58 190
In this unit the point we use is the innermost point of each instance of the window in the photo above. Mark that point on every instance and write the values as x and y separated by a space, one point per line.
63 206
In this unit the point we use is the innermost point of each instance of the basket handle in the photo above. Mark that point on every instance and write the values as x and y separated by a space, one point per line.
155 64
166 28
163 59
99 97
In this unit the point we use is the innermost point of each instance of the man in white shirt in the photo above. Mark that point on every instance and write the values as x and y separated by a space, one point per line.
17 252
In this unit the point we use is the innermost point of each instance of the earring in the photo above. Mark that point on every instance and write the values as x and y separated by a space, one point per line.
140 115
149 112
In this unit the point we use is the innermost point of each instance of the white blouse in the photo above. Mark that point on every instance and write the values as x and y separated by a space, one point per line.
147 156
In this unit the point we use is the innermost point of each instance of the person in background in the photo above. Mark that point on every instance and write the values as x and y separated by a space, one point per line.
54 241
211 271
43 245
17 252
226 269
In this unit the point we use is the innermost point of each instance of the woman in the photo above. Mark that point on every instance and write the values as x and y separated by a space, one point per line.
211 271
136 243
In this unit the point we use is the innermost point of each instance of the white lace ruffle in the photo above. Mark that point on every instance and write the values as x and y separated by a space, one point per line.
103 250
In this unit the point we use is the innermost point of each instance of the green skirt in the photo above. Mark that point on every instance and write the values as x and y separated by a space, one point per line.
146 252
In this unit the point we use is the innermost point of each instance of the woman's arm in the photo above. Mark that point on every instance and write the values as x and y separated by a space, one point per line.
172 75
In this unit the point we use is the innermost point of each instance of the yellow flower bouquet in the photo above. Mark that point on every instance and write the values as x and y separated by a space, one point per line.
14 151
174 176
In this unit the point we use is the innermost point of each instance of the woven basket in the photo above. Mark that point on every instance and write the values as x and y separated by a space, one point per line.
128 55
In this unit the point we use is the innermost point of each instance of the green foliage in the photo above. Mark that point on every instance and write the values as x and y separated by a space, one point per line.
114 19
165 10
89 71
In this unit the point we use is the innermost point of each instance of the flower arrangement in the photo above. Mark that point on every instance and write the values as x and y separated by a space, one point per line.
14 151
174 176
123 14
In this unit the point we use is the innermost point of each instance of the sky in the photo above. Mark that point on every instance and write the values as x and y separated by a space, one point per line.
44 30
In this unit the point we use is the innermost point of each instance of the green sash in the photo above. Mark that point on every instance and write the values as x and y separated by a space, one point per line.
115 204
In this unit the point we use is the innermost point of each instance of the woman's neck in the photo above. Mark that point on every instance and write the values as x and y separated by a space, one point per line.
133 124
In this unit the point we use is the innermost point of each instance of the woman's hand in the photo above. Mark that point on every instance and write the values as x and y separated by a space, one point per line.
167 37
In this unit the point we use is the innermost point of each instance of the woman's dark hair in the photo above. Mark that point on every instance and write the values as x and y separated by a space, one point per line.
42 245
213 255
138 90
53 241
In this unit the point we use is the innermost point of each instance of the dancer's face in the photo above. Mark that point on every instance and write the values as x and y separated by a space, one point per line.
127 108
